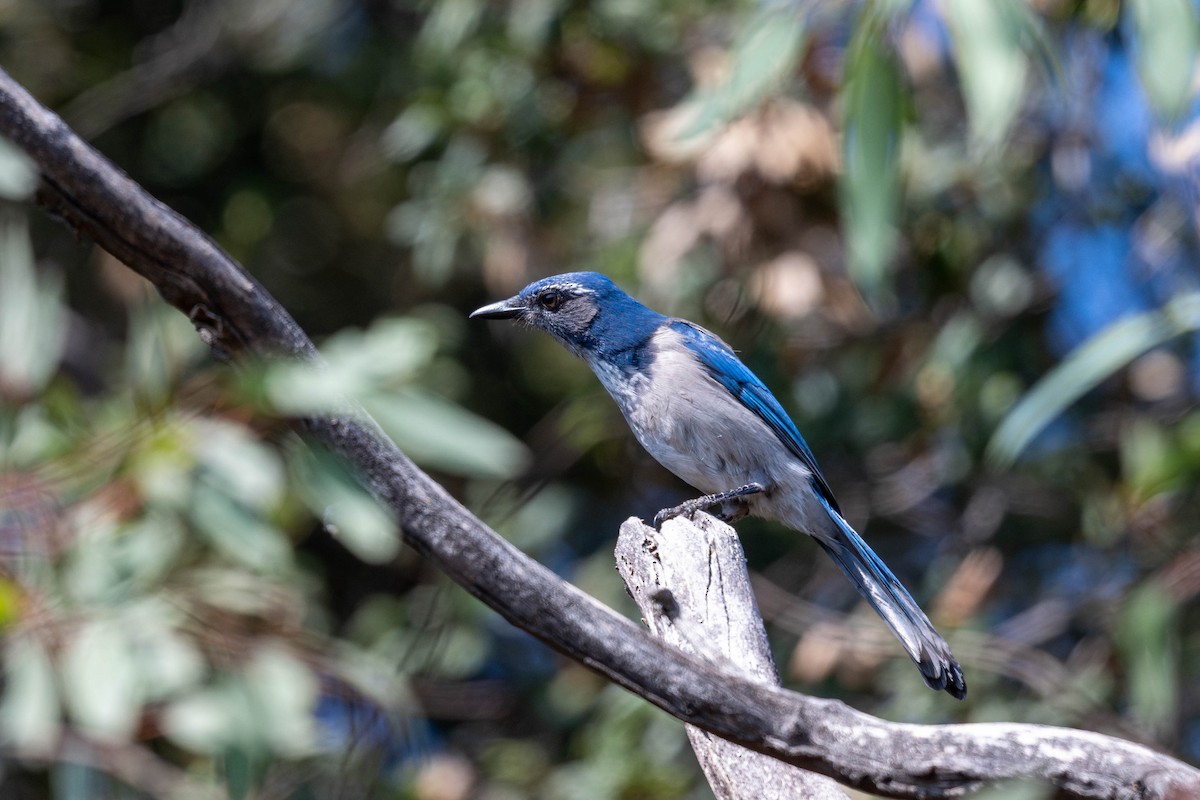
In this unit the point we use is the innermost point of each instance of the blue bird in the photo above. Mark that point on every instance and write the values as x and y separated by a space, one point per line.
707 418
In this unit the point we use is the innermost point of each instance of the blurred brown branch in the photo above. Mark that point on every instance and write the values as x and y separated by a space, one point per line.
234 314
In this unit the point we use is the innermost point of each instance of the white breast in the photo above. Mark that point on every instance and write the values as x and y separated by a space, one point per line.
696 428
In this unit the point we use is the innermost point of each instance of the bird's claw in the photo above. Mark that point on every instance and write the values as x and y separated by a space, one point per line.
732 506
682 510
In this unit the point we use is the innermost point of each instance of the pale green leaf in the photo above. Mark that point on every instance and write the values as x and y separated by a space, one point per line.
147 549
1147 458
236 590
168 662
448 24
241 465
161 342
73 781
870 182
29 710
387 355
1165 52
353 516
363 526
33 322
764 55
236 532
542 519
284 691
530 22
991 63
101 682
205 721
436 433
1084 368
92 572
376 677
18 175
1146 634
33 437
163 465
417 127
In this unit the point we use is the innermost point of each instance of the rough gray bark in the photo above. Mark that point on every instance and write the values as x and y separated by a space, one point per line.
691 584
235 315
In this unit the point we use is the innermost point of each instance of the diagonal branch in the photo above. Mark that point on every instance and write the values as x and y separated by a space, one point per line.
234 314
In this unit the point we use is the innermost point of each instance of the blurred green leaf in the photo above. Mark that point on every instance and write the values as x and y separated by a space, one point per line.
991 63
460 652
1148 461
147 549
92 568
203 721
436 433
243 467
957 341
1165 52
417 127
79 782
389 354
267 707
240 534
243 768
1148 641
449 22
354 517
18 176
870 183
29 710
33 323
763 56
170 663
30 436
161 342
437 646
377 678
1085 367
284 692
530 21
435 219
101 682
537 522
235 590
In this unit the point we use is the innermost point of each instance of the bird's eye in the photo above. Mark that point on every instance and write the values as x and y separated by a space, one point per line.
550 300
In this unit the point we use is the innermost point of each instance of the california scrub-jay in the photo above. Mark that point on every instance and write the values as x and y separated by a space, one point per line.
707 418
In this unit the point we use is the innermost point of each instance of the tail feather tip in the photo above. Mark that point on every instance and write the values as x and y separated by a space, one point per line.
945 676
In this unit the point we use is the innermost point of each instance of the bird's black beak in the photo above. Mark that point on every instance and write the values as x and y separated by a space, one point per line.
505 309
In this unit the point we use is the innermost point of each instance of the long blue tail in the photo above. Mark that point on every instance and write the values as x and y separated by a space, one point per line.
876 583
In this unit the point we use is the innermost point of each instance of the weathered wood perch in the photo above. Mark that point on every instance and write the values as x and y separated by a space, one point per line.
691 584
235 315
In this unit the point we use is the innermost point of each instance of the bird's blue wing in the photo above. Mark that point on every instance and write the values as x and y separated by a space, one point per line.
725 367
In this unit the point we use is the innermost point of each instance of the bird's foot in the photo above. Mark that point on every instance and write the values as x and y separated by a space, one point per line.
732 506
685 509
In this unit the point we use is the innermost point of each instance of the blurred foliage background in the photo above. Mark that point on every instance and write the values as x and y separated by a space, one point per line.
958 239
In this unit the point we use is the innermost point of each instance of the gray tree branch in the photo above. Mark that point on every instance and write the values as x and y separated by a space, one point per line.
234 314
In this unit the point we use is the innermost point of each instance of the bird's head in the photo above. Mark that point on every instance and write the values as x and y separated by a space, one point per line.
585 311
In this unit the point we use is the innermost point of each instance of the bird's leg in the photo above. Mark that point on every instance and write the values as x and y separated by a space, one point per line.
733 506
